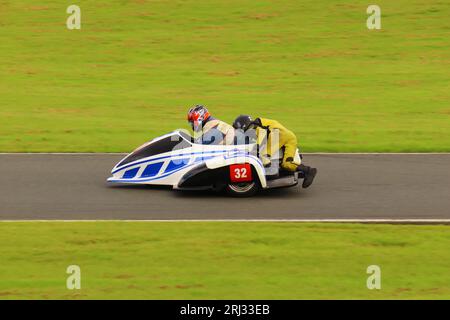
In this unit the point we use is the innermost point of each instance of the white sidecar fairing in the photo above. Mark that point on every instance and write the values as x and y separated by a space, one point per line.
174 160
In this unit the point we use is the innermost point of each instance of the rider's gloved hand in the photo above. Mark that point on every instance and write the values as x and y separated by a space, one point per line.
265 160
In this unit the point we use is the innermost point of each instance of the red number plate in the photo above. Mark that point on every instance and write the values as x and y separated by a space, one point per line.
241 172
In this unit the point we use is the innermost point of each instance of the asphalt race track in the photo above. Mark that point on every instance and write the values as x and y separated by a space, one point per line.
66 187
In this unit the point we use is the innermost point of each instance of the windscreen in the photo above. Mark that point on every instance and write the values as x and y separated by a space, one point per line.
158 147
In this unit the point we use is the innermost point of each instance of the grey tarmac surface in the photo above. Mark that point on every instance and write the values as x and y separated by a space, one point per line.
73 187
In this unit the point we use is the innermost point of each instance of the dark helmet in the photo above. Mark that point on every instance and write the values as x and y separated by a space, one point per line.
242 122
197 116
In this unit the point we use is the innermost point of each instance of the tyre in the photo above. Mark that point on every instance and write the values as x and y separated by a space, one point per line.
242 189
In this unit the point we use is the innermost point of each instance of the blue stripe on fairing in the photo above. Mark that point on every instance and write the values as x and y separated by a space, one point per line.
172 155
155 178
152 170
203 158
170 173
130 173
177 163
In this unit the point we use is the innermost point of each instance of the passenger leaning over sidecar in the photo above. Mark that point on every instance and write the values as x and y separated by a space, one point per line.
207 129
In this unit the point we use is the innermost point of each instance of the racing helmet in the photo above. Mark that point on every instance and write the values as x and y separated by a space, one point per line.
197 116
242 122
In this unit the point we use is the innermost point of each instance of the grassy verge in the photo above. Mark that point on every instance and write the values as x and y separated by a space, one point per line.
222 260
130 72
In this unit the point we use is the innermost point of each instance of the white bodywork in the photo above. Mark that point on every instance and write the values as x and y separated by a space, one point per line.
167 168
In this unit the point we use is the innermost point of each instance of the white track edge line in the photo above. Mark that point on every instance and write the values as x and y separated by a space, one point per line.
241 220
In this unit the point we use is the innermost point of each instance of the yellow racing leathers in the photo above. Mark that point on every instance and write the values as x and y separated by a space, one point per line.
273 136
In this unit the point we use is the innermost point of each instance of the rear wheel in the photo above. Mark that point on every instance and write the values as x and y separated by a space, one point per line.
242 189
242 180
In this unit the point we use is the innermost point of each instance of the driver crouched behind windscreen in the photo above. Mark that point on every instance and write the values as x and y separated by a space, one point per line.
207 129
269 132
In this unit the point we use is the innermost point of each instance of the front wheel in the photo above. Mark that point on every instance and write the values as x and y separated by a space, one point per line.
242 189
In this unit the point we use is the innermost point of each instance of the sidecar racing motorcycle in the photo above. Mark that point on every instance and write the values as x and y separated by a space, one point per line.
175 160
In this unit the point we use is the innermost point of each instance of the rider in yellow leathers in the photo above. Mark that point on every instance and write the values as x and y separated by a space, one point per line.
270 131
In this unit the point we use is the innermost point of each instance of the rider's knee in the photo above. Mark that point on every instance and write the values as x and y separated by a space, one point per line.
289 165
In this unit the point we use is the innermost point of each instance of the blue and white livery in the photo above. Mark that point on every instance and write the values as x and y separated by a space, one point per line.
175 160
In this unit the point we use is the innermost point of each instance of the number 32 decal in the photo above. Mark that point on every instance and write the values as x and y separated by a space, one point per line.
241 172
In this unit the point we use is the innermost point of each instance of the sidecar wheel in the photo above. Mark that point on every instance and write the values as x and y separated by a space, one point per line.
242 189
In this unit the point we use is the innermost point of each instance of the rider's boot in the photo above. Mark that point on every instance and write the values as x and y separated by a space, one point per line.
308 173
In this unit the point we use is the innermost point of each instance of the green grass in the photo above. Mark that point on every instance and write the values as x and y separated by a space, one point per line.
131 71
223 260
130 74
